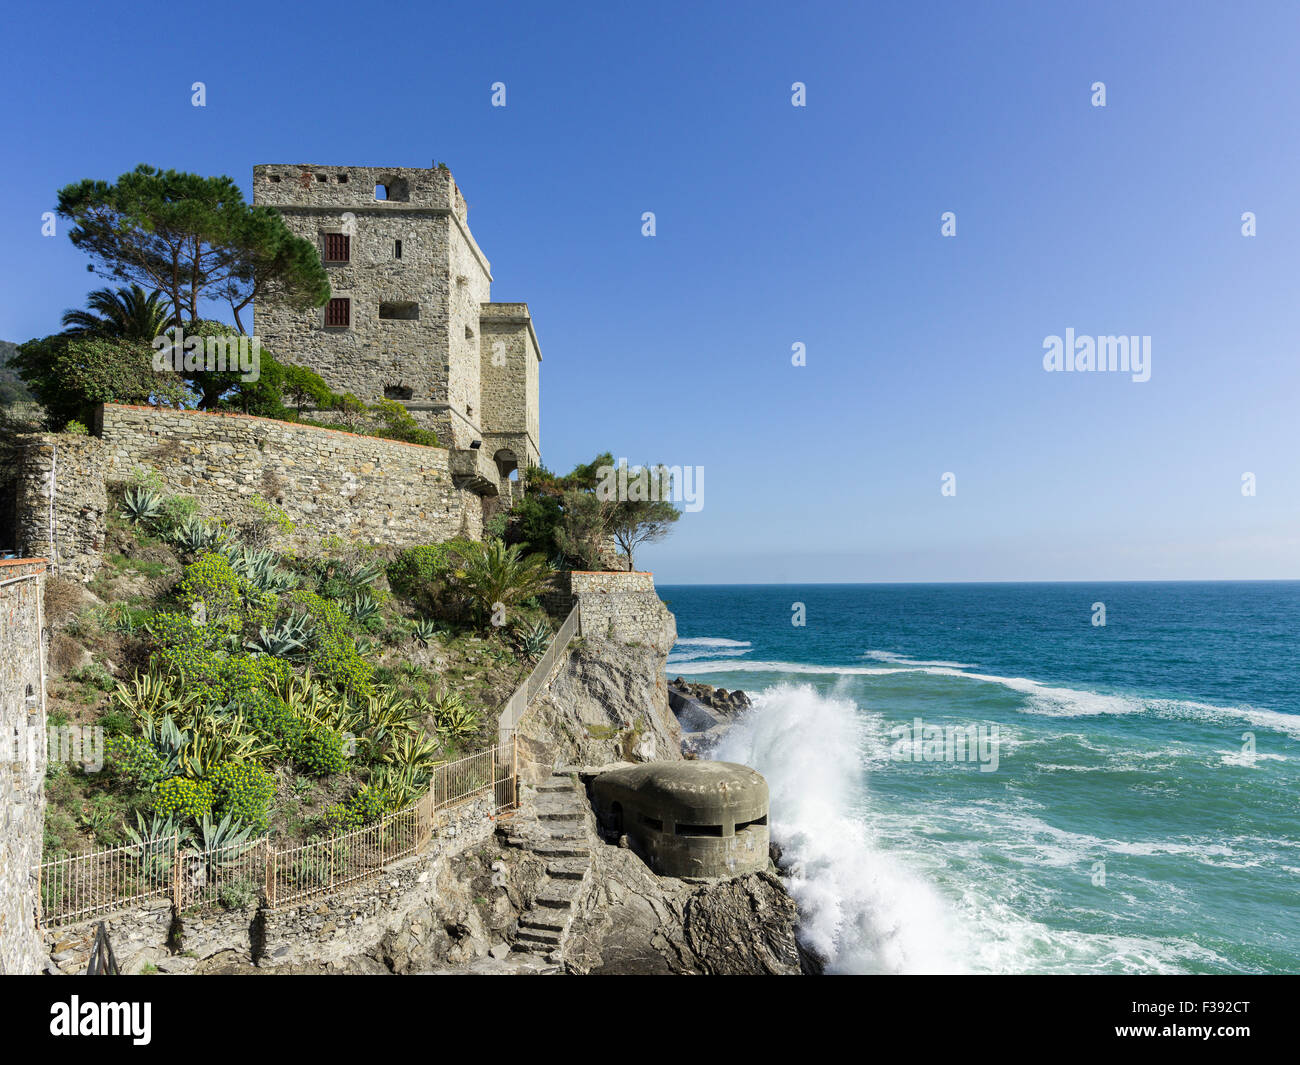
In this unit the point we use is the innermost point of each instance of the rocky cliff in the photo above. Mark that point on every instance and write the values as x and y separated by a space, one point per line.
608 702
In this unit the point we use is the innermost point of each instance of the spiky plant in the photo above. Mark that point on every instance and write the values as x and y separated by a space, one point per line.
195 536
361 607
288 639
425 631
141 505
533 642
451 717
492 576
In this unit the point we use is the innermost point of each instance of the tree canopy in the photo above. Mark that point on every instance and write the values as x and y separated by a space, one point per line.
193 238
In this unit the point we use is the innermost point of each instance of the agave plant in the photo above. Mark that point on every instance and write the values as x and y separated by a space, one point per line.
154 840
365 646
361 607
339 579
155 695
451 717
224 834
196 536
288 639
533 642
403 784
260 567
426 629
412 750
141 505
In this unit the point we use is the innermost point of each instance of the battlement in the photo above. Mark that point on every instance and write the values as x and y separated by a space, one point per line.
358 188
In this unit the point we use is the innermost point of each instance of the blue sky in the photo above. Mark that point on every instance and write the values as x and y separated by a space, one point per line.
777 225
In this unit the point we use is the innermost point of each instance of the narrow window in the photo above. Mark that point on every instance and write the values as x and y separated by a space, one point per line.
699 830
338 248
397 249
381 192
651 822
397 392
321 178
275 179
751 824
338 313
399 310
343 179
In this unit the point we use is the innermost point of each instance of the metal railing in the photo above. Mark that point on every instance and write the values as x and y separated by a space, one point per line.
516 706
84 885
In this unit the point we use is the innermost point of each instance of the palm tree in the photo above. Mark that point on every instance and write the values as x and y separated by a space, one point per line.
129 313
492 576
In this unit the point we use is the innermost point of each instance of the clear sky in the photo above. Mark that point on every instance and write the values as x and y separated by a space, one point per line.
779 224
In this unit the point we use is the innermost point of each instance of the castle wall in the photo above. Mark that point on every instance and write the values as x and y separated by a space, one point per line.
329 482
22 761
60 501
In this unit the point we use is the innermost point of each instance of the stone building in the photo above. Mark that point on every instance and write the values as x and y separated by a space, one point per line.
410 316
688 819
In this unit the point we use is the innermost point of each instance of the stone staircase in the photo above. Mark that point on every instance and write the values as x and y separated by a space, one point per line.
555 830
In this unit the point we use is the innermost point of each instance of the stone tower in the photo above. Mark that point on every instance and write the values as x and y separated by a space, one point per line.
410 316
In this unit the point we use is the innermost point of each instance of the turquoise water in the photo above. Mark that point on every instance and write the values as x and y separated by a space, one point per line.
1142 814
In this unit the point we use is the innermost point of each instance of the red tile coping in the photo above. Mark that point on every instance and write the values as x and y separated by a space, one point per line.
612 572
24 562
272 421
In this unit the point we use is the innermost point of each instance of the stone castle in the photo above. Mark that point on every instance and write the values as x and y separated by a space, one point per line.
409 320
410 316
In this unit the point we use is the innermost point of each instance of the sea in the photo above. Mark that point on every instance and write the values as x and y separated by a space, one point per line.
1021 778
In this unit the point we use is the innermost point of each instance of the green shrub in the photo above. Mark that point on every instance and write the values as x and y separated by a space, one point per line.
367 805
243 791
416 567
136 760
321 752
211 581
271 717
183 798
334 657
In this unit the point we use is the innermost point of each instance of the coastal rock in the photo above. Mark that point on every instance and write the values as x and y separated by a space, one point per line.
607 703
636 923
717 699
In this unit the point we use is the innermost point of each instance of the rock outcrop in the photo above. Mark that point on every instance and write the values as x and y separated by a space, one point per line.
607 703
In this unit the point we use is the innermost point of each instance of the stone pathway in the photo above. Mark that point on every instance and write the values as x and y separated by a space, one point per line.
553 827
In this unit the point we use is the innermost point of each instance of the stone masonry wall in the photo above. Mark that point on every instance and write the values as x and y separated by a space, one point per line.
22 760
60 502
328 482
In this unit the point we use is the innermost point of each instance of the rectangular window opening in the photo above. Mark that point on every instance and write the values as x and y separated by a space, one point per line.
651 822
399 311
338 313
751 824
338 248
699 830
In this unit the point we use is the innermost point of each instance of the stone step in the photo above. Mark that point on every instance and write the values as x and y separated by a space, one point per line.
524 947
558 894
567 870
541 936
551 787
542 919
559 814
562 849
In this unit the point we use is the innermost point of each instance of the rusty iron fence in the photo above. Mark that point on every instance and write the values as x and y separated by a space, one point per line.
81 886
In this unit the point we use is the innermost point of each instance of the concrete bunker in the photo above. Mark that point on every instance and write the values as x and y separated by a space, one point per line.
688 819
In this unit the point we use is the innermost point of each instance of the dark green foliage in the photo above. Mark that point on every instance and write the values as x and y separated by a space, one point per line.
243 792
70 375
193 237
126 312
